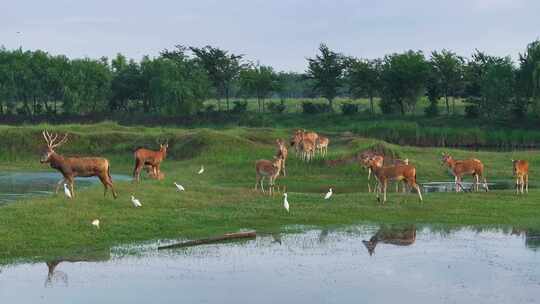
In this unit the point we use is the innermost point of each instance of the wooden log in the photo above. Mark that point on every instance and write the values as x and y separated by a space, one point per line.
212 240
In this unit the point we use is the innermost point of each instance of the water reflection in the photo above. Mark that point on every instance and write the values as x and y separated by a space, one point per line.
532 237
398 235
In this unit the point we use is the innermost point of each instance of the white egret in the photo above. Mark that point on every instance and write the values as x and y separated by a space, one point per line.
179 187
285 202
66 191
201 170
328 194
136 202
96 223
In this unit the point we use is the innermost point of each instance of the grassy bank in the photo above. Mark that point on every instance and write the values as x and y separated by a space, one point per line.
221 199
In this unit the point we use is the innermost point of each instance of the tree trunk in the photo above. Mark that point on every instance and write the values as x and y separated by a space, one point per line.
447 105
219 104
402 107
453 105
371 104
331 104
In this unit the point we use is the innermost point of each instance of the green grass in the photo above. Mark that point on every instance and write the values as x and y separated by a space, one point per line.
222 200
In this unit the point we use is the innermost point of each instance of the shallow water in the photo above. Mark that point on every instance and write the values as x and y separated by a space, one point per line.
467 186
18 185
409 264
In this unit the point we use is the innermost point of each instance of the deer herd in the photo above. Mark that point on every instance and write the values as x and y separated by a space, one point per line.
306 144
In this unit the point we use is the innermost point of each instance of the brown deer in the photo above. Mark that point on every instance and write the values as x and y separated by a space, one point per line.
270 169
307 148
458 168
322 145
152 173
283 153
405 173
71 167
299 136
146 157
366 159
521 172
395 235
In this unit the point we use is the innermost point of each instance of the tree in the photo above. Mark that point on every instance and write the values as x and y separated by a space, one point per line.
529 77
126 84
222 69
448 67
326 71
403 78
258 81
364 77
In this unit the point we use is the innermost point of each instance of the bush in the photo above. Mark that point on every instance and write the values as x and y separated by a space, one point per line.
239 106
315 108
277 108
349 108
472 111
432 110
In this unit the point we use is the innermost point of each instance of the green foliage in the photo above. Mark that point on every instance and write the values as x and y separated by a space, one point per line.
364 78
277 108
529 77
257 81
349 108
472 111
326 71
239 106
448 70
315 108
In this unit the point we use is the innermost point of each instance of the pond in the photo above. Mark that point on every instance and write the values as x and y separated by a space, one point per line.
19 185
357 264
467 186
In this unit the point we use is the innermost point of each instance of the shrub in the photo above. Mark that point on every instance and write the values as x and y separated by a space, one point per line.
277 108
432 110
314 108
472 111
349 108
239 106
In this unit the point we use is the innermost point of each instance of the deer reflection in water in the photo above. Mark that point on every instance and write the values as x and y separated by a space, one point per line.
54 275
532 237
395 235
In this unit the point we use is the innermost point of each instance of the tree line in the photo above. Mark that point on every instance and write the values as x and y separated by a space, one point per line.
178 81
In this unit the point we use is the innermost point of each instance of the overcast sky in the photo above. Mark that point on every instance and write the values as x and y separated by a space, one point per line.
278 33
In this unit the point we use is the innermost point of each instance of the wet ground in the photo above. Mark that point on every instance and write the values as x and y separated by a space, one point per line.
357 264
18 185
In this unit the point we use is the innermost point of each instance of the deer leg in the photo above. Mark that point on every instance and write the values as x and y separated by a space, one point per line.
517 184
385 185
485 184
476 182
527 183
71 187
137 171
60 182
457 183
415 186
257 179
368 179
262 184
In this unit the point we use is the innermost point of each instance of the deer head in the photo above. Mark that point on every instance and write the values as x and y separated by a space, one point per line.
52 141
446 159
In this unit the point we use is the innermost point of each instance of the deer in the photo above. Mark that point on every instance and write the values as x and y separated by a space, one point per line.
152 173
521 172
270 169
283 153
322 145
400 236
299 136
368 158
307 147
71 167
384 174
458 168
146 157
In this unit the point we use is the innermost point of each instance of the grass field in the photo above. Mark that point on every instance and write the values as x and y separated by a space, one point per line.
222 200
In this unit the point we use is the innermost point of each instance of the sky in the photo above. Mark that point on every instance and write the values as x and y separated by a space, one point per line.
272 32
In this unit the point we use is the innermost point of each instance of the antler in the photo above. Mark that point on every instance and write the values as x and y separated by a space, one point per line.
51 139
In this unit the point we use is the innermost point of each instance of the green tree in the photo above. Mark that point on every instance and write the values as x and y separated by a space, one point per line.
529 77
448 67
403 79
258 81
126 83
364 78
326 71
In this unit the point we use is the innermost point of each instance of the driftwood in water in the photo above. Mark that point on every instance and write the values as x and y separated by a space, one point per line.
217 239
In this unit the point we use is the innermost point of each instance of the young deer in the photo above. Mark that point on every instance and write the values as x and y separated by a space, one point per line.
322 145
70 167
521 172
283 153
405 173
299 136
152 173
458 168
307 148
395 235
145 157
270 169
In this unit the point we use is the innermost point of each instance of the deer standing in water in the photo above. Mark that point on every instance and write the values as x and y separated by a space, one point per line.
458 168
521 172
405 173
395 235
71 167
146 157
270 169
282 153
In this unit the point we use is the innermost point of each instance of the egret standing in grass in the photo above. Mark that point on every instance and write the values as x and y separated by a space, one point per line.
201 170
136 202
66 191
285 202
179 187
95 223
328 194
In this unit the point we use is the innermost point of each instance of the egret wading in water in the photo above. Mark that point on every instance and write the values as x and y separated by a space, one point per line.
66 191
285 202
201 170
95 223
136 202
179 187
328 194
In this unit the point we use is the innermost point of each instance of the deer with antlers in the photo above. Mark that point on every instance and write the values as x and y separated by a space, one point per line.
270 169
282 153
384 174
458 168
521 172
72 167
145 157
